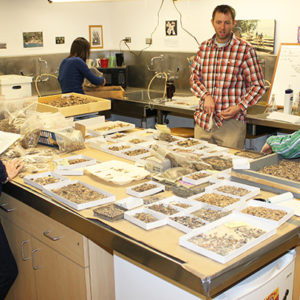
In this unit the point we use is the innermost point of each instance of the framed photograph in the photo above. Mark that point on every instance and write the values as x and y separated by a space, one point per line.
171 28
33 39
59 40
96 36
259 33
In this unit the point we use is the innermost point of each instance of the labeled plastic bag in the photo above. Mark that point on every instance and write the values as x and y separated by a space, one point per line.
69 140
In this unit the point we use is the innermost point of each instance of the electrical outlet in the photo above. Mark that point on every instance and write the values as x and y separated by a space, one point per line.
148 41
127 40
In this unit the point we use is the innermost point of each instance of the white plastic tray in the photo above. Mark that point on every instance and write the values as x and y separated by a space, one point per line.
130 202
48 191
176 202
30 179
253 191
117 172
232 219
181 226
63 163
109 148
161 219
234 205
187 178
165 203
289 211
124 153
159 188
198 143
111 127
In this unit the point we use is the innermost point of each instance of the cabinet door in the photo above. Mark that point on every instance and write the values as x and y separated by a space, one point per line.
20 244
56 276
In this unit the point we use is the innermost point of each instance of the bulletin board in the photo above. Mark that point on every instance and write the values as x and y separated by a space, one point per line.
286 73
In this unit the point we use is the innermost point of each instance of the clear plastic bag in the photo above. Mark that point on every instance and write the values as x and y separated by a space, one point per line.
69 140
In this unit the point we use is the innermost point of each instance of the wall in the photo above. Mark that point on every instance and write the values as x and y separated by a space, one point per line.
134 18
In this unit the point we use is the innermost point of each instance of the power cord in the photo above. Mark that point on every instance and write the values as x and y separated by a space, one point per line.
182 25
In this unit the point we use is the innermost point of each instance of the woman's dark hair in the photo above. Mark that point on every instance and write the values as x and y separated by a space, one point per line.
80 48
224 9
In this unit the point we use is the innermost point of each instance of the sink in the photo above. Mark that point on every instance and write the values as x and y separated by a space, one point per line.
142 95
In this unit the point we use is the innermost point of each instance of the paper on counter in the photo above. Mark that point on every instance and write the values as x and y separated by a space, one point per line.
241 163
7 139
294 204
280 116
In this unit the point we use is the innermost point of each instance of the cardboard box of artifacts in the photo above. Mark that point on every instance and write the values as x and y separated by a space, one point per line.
113 92
268 182
72 104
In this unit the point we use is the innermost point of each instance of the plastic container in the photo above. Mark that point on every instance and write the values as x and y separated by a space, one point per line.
104 62
15 86
288 101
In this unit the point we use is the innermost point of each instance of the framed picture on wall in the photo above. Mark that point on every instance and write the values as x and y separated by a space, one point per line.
33 39
96 36
259 33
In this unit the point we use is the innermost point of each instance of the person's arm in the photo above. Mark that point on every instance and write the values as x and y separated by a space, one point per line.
254 80
287 145
89 75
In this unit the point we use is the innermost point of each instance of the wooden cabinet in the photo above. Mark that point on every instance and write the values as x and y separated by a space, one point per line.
54 261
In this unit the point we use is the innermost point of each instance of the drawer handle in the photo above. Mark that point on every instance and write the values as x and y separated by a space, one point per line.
35 267
52 238
22 250
2 206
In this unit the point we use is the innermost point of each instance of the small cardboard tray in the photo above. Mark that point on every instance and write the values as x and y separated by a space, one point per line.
63 163
189 143
126 153
48 190
156 189
130 202
31 179
267 182
188 178
116 137
222 157
98 104
252 203
253 191
220 175
130 216
114 149
230 220
109 212
110 127
181 226
165 203
180 203
235 205
117 172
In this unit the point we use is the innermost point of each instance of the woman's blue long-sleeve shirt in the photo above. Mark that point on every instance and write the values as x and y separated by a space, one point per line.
3 174
72 72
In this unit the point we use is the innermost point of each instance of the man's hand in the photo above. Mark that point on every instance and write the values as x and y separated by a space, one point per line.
209 105
13 167
266 149
230 112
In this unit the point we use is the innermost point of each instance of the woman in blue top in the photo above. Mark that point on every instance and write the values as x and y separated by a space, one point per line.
74 69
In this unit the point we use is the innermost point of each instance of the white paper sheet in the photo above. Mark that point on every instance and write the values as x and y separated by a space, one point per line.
7 139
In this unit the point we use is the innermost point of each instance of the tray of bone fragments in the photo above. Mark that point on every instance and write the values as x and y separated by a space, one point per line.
117 172
110 127
218 200
198 177
220 162
181 203
74 162
145 218
109 212
227 238
189 143
134 153
273 173
78 195
231 188
115 148
145 189
269 212
42 179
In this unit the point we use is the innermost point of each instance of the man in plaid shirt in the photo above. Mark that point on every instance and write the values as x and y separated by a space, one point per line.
227 78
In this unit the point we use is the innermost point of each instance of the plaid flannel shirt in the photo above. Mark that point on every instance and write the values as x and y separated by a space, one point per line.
230 74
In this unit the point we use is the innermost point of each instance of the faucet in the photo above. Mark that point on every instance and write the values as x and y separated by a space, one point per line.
161 57
40 60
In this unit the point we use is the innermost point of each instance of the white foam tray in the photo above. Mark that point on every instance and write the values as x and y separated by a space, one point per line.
232 206
253 191
182 227
48 191
199 143
30 179
165 202
107 148
159 188
187 178
123 153
117 172
130 202
94 129
62 163
289 212
270 230
161 219
172 200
